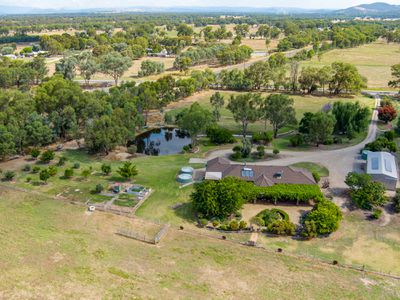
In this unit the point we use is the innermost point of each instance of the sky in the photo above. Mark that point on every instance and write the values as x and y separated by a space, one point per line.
168 3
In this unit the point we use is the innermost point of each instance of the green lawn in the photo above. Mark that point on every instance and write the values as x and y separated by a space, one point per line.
157 173
373 61
313 167
302 104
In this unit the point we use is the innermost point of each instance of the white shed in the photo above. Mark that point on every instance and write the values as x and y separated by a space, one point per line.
382 167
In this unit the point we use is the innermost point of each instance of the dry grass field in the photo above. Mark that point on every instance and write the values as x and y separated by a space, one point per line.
53 250
372 60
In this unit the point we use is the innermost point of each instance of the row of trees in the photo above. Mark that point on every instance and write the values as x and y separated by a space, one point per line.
217 53
274 74
113 64
21 74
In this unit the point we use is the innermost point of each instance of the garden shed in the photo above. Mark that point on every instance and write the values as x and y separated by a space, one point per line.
382 167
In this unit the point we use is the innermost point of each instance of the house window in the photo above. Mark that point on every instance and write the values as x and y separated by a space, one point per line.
247 172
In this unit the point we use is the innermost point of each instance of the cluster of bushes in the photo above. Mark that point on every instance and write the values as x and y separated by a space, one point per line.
323 219
265 137
233 225
242 151
383 143
276 221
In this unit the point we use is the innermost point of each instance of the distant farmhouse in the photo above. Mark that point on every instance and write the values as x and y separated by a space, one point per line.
383 168
219 168
163 53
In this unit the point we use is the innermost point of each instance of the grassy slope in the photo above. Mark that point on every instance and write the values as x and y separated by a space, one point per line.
302 104
373 61
53 250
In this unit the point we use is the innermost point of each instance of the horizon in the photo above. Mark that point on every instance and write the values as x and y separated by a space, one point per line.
119 4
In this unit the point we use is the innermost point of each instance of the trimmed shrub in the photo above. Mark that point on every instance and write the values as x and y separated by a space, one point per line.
106 169
203 222
215 223
242 224
9 175
282 227
76 166
52 170
35 152
326 216
47 156
44 175
309 230
258 221
68 173
28 179
276 151
98 188
376 214
268 216
234 225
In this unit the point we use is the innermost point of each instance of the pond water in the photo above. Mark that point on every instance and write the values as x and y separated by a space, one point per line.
162 141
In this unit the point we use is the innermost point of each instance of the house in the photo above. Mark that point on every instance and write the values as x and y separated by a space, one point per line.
382 167
219 168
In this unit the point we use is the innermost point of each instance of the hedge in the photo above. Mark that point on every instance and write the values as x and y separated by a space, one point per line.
299 193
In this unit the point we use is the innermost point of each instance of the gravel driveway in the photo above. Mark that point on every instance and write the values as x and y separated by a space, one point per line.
339 161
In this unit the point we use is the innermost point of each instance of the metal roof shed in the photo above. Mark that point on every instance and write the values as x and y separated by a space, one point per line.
382 167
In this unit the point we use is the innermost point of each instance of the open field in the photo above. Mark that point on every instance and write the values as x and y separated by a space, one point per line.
52 250
302 104
373 61
357 242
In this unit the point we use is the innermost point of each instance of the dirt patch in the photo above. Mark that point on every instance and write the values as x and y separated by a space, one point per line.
373 253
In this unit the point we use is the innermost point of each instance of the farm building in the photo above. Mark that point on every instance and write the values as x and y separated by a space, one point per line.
382 167
220 167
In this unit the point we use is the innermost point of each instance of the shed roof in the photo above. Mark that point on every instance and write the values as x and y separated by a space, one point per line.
382 163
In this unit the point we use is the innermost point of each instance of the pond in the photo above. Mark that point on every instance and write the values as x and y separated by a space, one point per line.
162 141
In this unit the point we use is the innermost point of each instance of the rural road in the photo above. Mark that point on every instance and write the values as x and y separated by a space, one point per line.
339 161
